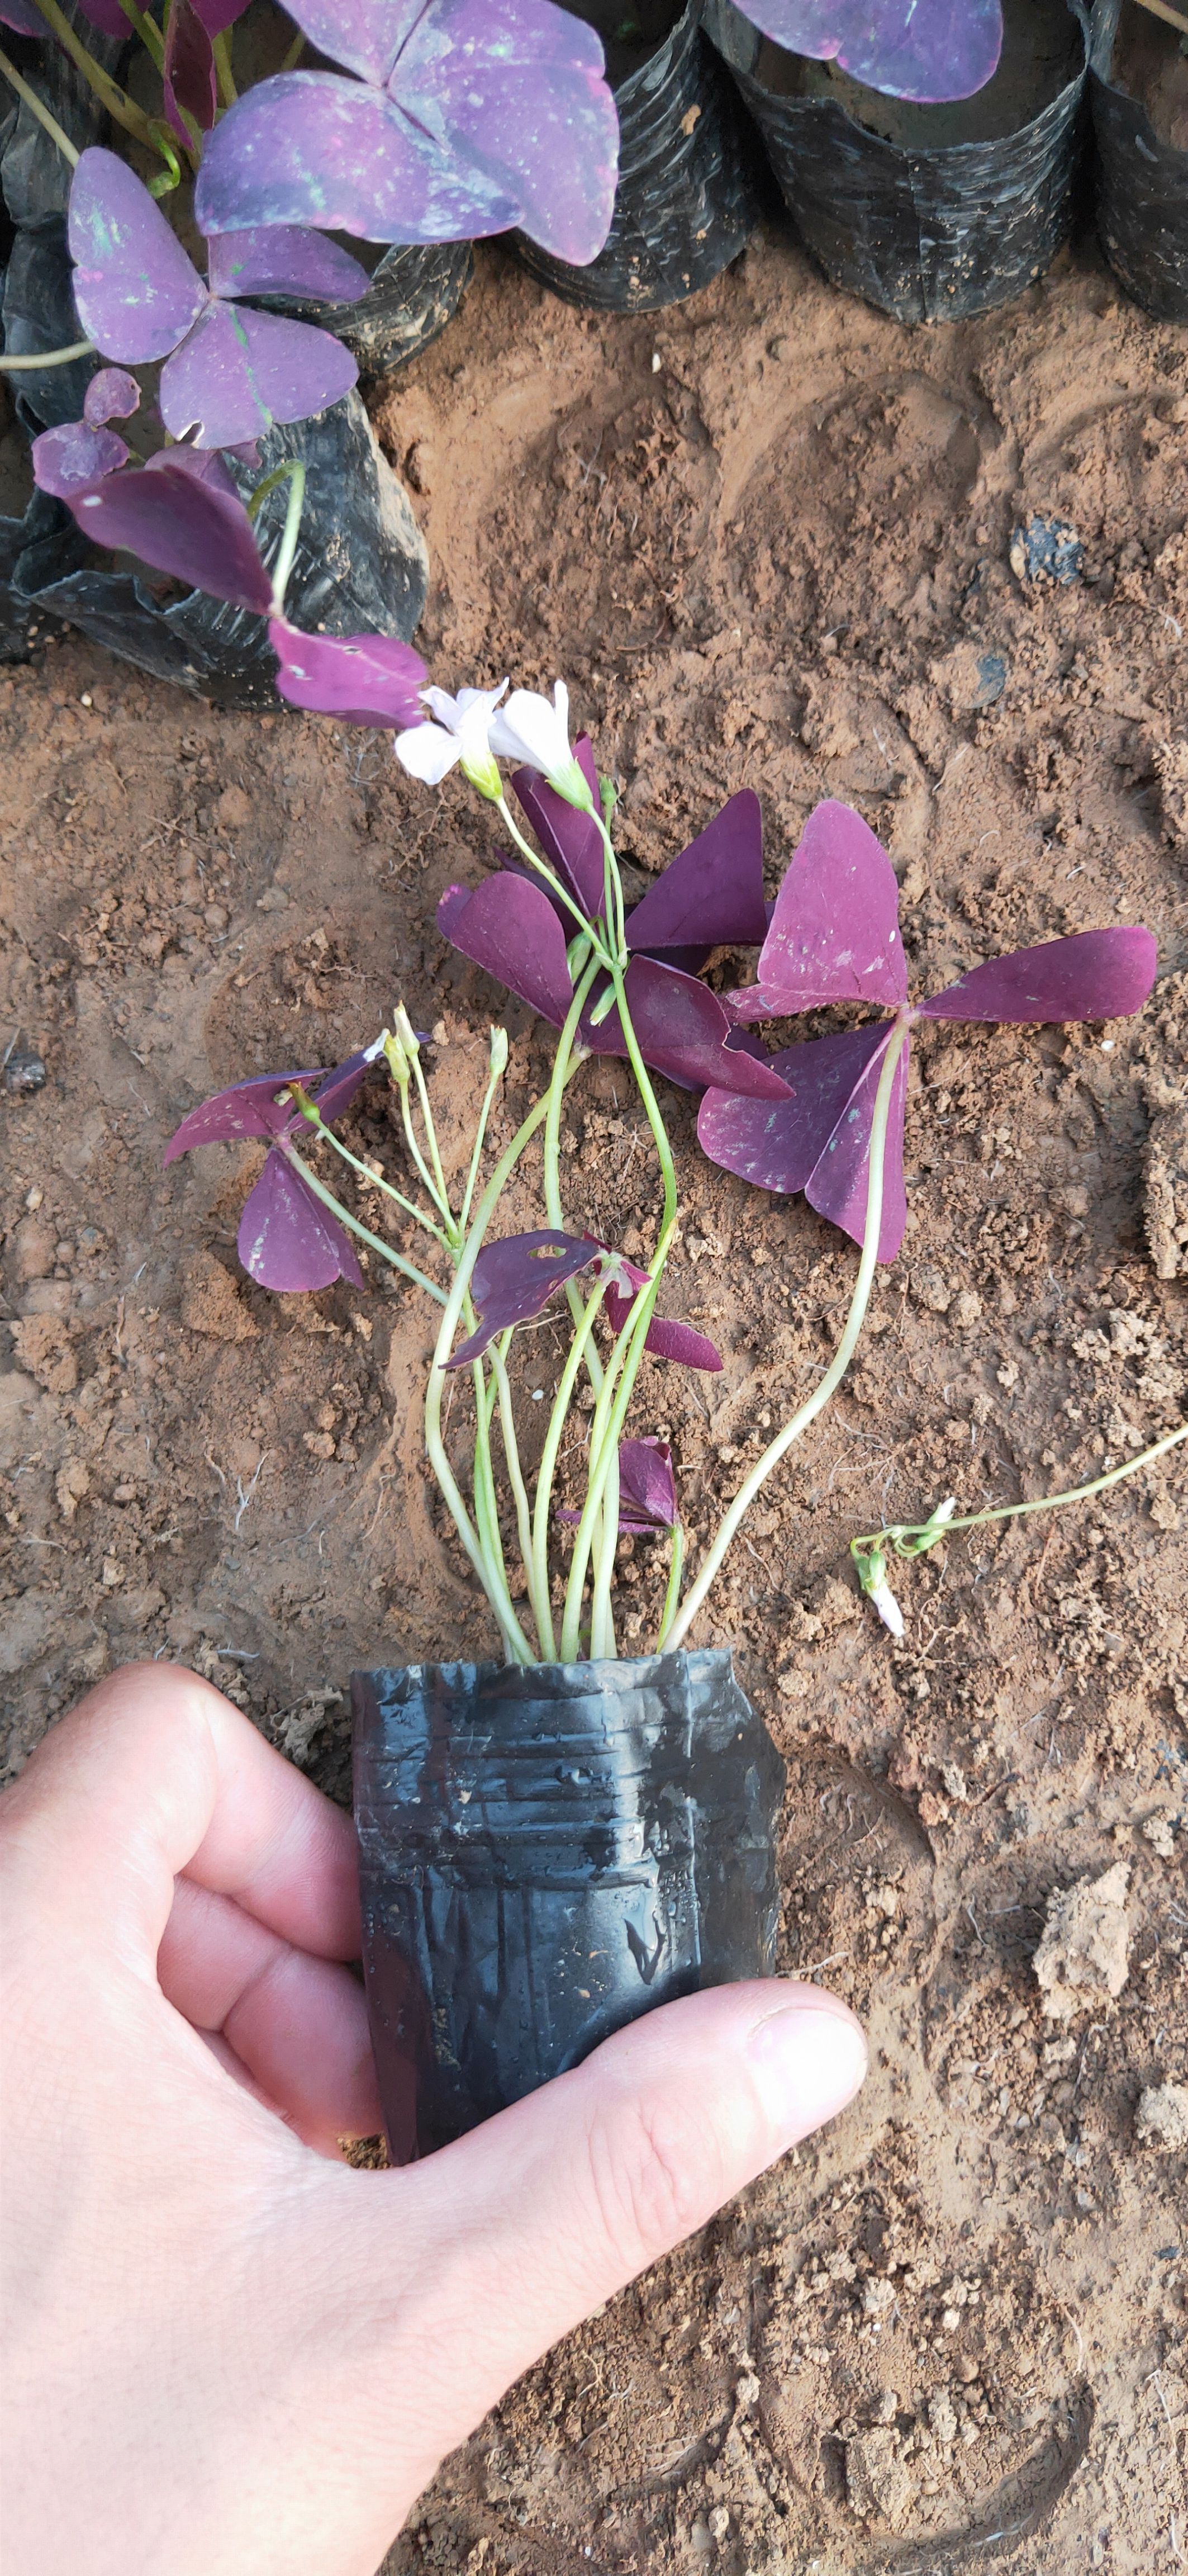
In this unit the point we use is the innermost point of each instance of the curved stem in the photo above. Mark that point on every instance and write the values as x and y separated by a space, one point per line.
904 1530
594 930
38 108
114 99
376 1181
48 358
816 1402
408 1269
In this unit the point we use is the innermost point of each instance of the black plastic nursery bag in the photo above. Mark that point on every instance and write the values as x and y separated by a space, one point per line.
931 213
685 205
545 1854
416 288
1142 180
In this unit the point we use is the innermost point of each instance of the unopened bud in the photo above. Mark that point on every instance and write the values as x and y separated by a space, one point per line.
406 1032
301 1101
603 1007
499 1053
577 953
872 1575
397 1061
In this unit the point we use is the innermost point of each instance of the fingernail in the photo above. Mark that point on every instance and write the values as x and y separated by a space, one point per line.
808 2062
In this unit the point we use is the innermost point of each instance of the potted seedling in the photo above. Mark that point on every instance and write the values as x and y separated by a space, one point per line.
557 1837
927 152
445 122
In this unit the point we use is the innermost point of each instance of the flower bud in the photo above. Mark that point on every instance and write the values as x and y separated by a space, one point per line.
499 1053
602 1008
483 773
397 1061
872 1575
577 954
405 1031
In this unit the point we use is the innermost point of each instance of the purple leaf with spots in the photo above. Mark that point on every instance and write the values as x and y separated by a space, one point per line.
238 371
181 521
284 259
1095 975
834 934
135 290
919 49
468 116
508 926
665 1338
682 1029
647 1489
111 395
818 1139
362 679
287 1240
570 840
67 458
245 1109
514 1280
712 895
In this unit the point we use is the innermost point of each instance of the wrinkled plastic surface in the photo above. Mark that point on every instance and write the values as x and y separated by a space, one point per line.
1142 188
544 1855
415 290
685 204
927 236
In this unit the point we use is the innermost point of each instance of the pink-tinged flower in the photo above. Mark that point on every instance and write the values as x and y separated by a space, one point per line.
457 729
287 1240
528 729
834 937
647 1490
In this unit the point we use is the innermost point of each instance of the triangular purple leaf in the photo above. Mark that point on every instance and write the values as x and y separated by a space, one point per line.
682 1029
515 88
838 1185
570 840
776 1144
311 148
834 934
712 895
246 1109
181 523
23 18
135 291
513 1280
218 15
509 927
365 35
287 1239
66 458
665 1338
1094 975
239 371
284 259
361 679
111 395
188 79
920 49
107 16
647 1486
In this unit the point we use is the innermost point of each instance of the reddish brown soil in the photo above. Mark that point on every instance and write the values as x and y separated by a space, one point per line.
766 537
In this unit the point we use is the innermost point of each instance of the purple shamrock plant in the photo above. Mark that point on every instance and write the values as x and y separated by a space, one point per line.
928 50
826 1116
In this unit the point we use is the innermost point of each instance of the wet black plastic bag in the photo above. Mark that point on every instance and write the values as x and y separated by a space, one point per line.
415 290
928 230
545 1854
1142 186
685 205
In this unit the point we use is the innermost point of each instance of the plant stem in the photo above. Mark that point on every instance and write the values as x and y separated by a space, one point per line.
1171 17
408 1269
440 1192
515 1475
594 930
486 1512
113 98
494 1079
815 1403
376 1181
606 1539
673 1594
220 47
38 108
48 358
585 1321
294 54
291 472
149 34
904 1530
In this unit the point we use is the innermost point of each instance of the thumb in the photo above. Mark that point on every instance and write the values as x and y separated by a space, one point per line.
536 2218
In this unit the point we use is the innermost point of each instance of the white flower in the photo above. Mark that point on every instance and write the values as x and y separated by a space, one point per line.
528 729
462 733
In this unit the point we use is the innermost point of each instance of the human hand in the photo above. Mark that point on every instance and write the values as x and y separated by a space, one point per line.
227 2352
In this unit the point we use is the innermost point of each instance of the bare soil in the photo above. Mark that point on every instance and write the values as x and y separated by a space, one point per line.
766 538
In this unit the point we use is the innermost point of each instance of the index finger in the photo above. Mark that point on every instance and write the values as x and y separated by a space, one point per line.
154 1775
